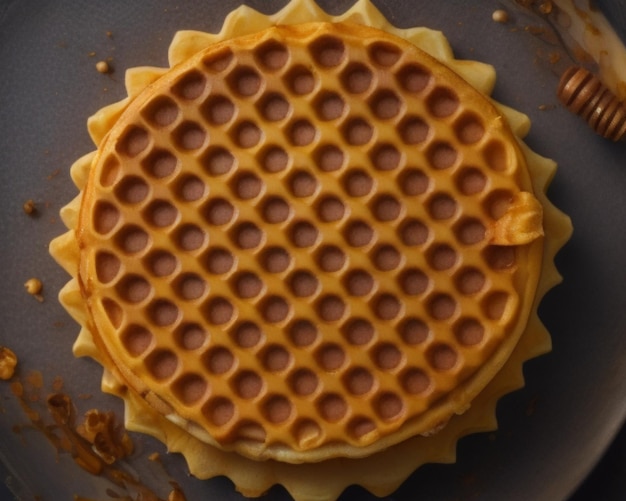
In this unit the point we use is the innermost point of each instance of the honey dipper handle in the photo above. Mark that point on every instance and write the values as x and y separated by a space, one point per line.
584 94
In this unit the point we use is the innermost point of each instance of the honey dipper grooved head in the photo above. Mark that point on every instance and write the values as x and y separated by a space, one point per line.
584 94
309 242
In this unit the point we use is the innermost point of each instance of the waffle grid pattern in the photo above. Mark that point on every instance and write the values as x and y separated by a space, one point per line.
290 241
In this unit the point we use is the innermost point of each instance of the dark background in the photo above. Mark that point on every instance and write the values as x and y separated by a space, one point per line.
48 86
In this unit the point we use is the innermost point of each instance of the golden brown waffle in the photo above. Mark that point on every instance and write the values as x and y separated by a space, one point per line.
310 241
511 229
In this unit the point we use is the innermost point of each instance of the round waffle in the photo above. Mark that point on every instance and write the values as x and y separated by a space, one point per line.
517 227
311 241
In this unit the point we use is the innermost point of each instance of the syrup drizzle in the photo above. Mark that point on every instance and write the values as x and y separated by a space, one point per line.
98 444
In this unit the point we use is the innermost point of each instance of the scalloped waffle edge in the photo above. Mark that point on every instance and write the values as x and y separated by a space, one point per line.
384 471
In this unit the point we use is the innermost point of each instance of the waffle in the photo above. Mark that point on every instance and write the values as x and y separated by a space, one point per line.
308 242
294 257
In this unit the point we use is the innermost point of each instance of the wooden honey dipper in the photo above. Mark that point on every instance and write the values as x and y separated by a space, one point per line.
583 93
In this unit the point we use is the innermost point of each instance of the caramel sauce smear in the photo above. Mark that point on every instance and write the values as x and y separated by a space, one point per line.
97 443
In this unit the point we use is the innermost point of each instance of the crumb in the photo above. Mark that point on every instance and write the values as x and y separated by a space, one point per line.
29 207
545 7
555 57
535 30
155 456
542 107
109 34
34 287
8 361
92 54
110 440
500 16
103 67
34 380
17 388
57 384
53 174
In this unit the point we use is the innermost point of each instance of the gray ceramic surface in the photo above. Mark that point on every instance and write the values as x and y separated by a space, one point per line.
48 86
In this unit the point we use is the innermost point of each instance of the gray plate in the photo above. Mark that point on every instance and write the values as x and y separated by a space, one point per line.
48 86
